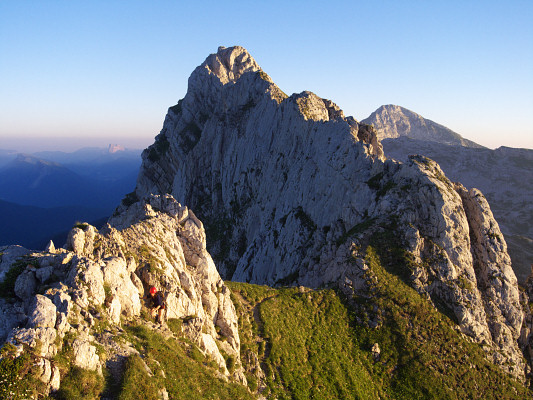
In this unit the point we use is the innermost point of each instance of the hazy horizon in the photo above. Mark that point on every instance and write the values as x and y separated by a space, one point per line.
69 144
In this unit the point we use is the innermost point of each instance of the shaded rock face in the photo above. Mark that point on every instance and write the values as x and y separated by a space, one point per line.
290 190
104 276
393 121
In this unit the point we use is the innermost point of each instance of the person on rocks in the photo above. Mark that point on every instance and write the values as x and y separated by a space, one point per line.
156 302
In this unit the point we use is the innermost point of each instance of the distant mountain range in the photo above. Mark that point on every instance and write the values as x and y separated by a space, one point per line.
57 188
504 175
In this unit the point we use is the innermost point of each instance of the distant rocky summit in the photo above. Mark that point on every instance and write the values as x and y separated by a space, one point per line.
291 191
393 121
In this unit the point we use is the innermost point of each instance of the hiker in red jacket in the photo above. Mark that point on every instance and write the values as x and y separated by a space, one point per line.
156 304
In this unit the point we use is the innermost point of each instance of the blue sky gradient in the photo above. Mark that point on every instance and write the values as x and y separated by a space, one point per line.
76 73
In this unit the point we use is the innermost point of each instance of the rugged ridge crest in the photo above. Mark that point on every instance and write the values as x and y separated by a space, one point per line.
291 190
103 277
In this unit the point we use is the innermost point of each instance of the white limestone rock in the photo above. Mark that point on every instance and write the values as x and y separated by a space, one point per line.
114 310
85 355
26 284
42 313
280 181
8 319
8 255
50 247
42 340
103 277
117 277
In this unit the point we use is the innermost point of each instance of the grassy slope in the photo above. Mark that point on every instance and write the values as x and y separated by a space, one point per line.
311 347
187 374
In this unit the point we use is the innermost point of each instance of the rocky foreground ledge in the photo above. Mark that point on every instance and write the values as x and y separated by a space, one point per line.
100 279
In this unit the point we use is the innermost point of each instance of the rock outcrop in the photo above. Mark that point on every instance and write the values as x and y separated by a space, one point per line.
504 175
290 190
393 121
104 277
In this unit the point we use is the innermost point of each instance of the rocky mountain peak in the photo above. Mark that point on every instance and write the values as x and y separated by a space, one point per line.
225 66
292 192
115 148
392 121
229 63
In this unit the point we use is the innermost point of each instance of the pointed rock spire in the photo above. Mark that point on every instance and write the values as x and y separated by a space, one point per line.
50 248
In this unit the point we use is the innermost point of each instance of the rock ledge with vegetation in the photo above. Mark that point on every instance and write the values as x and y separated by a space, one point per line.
75 303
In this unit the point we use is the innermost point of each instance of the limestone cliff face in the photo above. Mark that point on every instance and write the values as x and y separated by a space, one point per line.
290 191
504 175
393 121
260 169
103 277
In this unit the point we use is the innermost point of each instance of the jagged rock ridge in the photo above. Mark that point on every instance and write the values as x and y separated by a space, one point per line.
290 189
104 276
504 175
393 121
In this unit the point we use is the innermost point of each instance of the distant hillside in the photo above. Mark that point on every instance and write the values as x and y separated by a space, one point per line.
40 199
6 156
504 175
111 163
393 121
93 155
29 180
32 227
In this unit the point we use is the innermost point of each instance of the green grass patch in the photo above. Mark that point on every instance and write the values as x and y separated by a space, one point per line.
137 384
130 199
7 286
174 324
81 384
177 109
375 181
189 137
18 375
11 370
422 355
188 374
81 225
305 219
310 344
309 350
359 228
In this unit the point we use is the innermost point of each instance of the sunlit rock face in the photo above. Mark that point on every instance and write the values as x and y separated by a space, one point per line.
290 190
103 277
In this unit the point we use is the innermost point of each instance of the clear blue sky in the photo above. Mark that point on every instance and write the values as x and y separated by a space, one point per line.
110 69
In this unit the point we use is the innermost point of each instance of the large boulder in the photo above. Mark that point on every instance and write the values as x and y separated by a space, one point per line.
42 313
